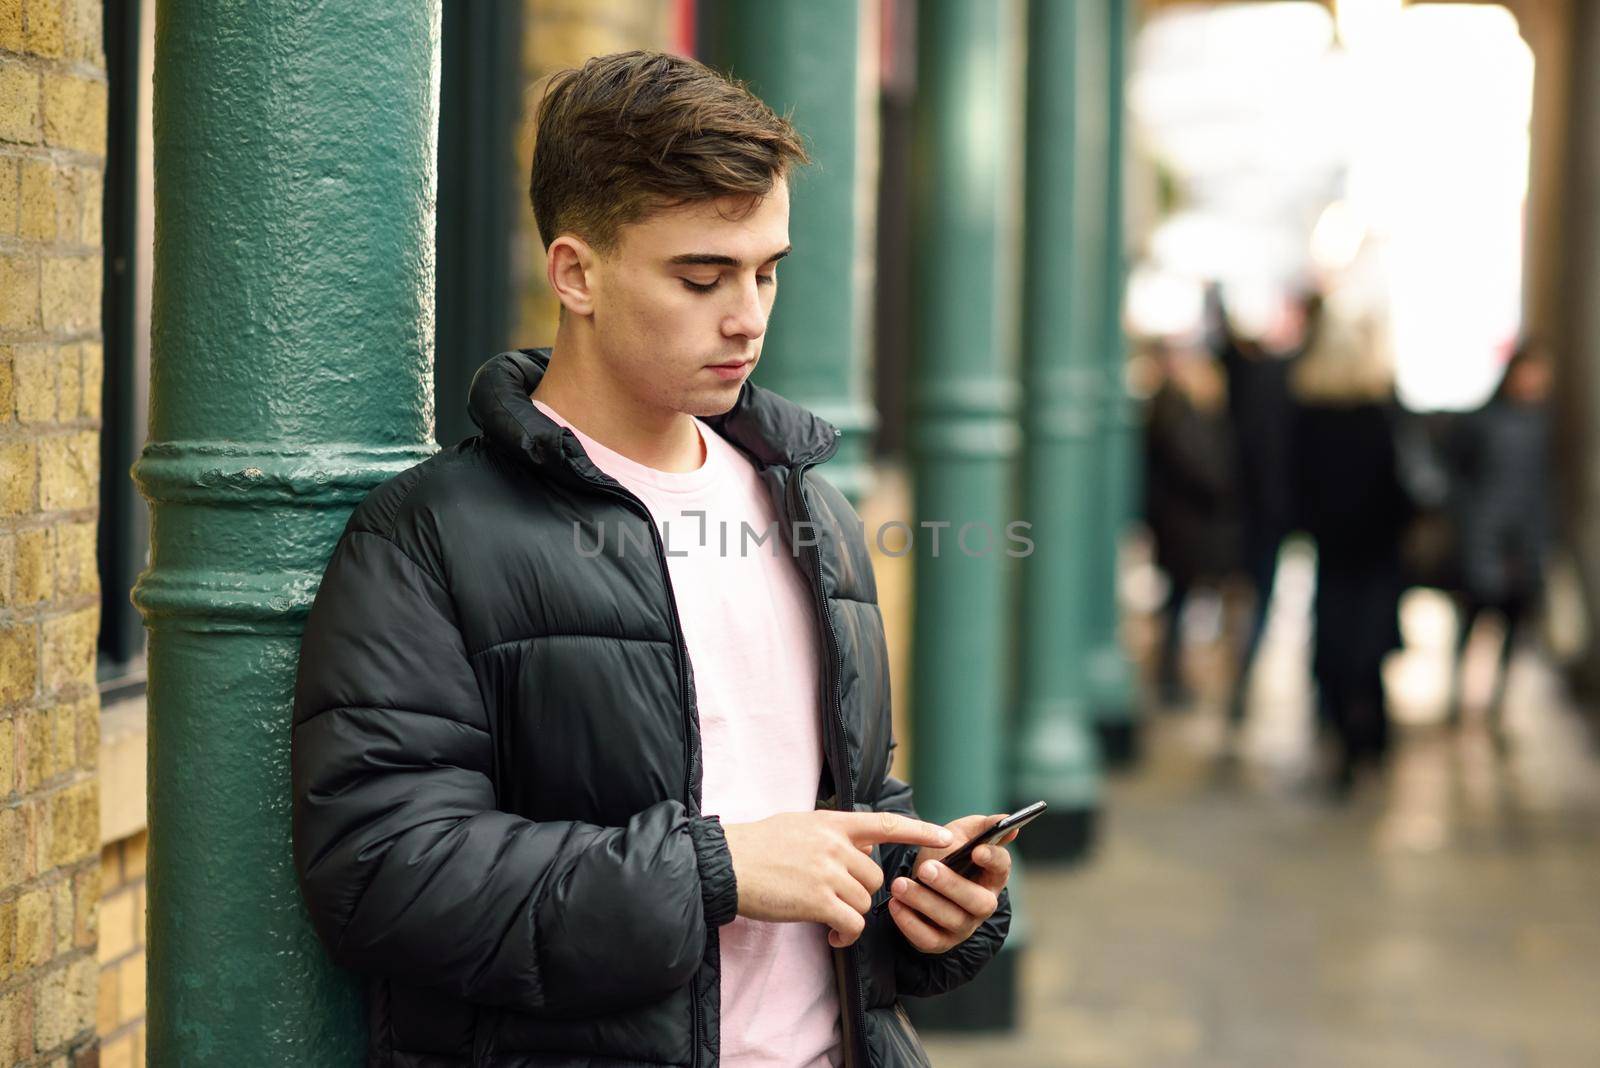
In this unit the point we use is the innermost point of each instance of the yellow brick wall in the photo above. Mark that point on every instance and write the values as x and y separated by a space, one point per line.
52 146
121 1000
558 34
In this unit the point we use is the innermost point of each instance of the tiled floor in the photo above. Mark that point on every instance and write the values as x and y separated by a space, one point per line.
1449 915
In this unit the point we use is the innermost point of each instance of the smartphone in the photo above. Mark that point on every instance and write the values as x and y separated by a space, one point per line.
961 861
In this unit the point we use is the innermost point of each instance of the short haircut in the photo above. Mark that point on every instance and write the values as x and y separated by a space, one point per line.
630 133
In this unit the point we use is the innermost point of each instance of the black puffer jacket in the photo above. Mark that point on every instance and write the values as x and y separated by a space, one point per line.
496 756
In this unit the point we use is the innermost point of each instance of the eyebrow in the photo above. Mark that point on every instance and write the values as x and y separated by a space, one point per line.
711 259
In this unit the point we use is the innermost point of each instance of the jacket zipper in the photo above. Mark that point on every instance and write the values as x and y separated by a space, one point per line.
844 786
690 721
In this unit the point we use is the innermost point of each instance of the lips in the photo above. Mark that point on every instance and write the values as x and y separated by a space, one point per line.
731 365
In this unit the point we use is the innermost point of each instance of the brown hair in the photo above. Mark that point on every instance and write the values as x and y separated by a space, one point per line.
633 132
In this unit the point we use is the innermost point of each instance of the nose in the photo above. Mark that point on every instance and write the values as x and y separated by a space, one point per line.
749 318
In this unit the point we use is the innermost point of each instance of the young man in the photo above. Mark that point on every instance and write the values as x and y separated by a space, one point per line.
591 731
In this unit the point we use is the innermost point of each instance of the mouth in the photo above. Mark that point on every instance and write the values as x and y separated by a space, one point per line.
732 369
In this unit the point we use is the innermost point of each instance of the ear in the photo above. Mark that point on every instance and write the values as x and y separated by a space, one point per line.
570 266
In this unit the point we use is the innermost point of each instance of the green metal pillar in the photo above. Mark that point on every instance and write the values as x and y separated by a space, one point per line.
291 371
1056 756
1111 675
801 57
964 434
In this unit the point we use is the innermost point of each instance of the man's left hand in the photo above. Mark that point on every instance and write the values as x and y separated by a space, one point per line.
945 909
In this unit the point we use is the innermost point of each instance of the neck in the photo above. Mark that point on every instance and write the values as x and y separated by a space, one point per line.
578 386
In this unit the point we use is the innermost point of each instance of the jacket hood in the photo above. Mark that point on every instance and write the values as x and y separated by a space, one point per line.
769 428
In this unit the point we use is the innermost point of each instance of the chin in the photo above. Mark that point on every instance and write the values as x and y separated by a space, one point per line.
705 406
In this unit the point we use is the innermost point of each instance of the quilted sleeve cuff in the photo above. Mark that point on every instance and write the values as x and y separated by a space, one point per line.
718 889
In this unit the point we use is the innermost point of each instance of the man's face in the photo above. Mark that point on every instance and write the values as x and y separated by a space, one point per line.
687 289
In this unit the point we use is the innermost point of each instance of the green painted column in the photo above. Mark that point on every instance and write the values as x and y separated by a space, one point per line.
1056 755
1106 26
965 436
802 58
291 371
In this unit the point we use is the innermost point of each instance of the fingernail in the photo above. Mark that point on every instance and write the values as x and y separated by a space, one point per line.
930 871
981 854
945 837
899 886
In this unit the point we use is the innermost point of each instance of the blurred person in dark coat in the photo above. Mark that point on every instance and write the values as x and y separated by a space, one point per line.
1501 456
1351 502
1261 417
1190 496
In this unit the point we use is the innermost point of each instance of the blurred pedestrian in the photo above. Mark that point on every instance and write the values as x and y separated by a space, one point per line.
1190 497
1351 502
1261 417
1501 458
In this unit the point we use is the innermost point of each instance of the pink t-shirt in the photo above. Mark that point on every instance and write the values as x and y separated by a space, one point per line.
751 630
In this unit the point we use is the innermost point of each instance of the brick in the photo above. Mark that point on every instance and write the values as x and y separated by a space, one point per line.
8 938
13 847
20 307
87 1055
16 1026
36 836
70 293
69 388
10 187
11 39
8 390
75 823
69 471
33 749
66 1003
130 989
87 714
118 1053
61 905
35 566
64 737
106 1005
46 33
76 569
85 38
110 867
69 648
91 181
93 378
133 855
19 479
116 926
19 105
35 929
35 383
38 198
67 193
8 762
74 111
86 907
85 981
19 662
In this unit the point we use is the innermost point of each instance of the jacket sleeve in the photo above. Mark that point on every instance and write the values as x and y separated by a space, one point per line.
920 974
406 865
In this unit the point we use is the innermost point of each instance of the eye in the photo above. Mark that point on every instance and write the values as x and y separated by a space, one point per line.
769 279
700 288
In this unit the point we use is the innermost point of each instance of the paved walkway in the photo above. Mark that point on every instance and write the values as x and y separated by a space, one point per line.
1448 915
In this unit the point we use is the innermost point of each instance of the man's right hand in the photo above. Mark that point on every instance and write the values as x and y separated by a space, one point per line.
817 866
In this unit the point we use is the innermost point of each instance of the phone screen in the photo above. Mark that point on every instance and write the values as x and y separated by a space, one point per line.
961 861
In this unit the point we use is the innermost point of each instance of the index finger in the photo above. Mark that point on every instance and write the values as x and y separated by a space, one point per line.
875 827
